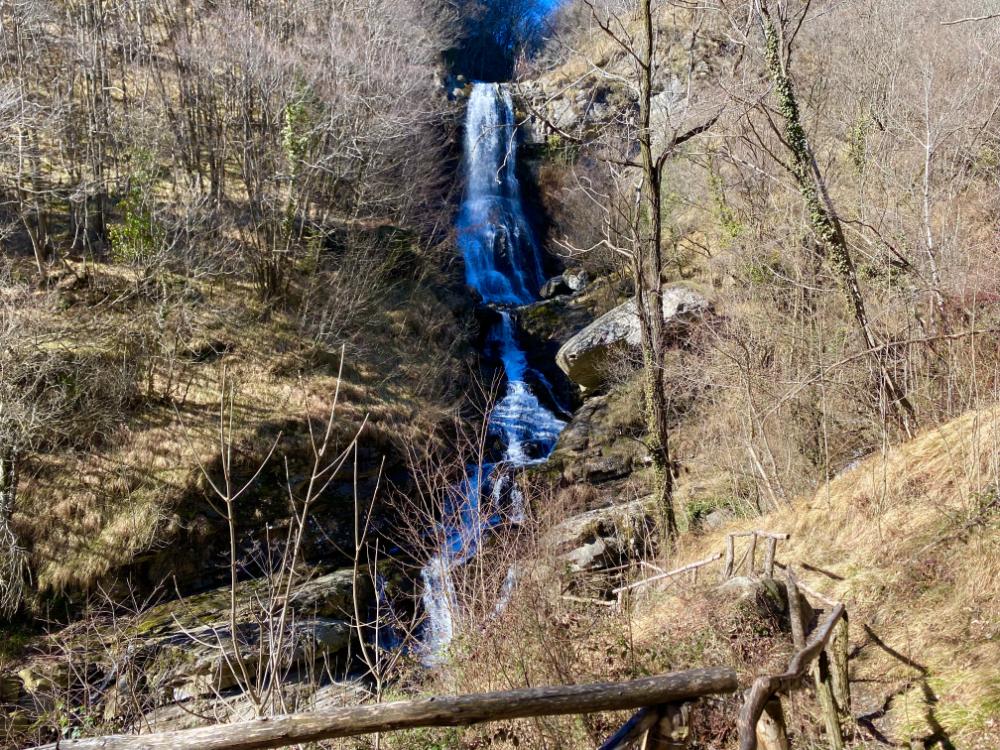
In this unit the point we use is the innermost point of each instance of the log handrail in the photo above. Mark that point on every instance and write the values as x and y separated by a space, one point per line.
633 730
778 536
447 711
764 688
669 574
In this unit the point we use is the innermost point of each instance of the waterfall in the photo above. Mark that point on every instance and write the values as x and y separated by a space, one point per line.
501 258
503 265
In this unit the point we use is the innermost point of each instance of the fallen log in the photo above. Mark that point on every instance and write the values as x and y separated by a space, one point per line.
448 711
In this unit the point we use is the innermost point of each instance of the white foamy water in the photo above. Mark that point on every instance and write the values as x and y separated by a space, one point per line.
503 265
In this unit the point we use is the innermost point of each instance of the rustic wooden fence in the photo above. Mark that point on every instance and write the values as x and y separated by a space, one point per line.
746 564
667 693
665 702
823 654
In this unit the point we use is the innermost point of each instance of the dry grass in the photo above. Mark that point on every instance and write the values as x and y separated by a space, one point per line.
911 540
87 513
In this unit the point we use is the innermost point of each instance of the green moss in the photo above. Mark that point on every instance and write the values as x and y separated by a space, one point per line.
14 640
858 141
559 150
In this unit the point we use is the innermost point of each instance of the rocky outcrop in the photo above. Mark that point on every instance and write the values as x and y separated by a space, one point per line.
600 444
554 287
187 649
210 660
569 281
553 110
604 538
584 357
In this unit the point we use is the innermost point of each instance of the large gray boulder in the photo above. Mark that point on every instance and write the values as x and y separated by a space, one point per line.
570 281
228 709
576 279
209 660
187 648
584 357
192 650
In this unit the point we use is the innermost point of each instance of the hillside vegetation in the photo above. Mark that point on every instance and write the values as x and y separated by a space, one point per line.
244 389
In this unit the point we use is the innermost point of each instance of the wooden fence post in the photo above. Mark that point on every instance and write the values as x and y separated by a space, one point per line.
821 667
772 732
839 670
828 706
672 731
752 555
727 568
772 546
795 616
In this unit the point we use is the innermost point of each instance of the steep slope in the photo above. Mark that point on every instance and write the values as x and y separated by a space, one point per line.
910 542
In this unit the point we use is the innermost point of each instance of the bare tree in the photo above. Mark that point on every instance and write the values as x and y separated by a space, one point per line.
667 114
779 27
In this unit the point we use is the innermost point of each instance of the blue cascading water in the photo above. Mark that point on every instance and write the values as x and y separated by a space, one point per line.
502 263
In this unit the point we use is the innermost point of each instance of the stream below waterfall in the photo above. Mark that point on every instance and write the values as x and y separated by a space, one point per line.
503 264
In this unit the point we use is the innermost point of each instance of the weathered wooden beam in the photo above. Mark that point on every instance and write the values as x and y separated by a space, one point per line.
772 546
727 568
827 704
764 688
839 668
822 598
752 555
763 534
772 730
669 574
795 616
448 711
777 536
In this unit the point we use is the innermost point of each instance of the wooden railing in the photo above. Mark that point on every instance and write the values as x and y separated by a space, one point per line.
663 692
824 654
665 702
731 566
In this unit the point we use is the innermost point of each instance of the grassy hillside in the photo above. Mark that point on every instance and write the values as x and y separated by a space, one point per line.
121 505
909 541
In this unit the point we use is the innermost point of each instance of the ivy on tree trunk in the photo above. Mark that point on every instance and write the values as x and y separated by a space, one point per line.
823 219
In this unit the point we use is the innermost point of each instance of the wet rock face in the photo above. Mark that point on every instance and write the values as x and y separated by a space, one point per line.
603 442
585 356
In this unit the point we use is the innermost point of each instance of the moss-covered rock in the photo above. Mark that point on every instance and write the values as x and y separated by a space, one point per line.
604 538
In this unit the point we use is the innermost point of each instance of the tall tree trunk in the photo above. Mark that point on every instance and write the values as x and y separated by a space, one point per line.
824 220
649 290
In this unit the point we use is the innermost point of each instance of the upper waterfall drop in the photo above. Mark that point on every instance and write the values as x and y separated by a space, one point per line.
501 257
